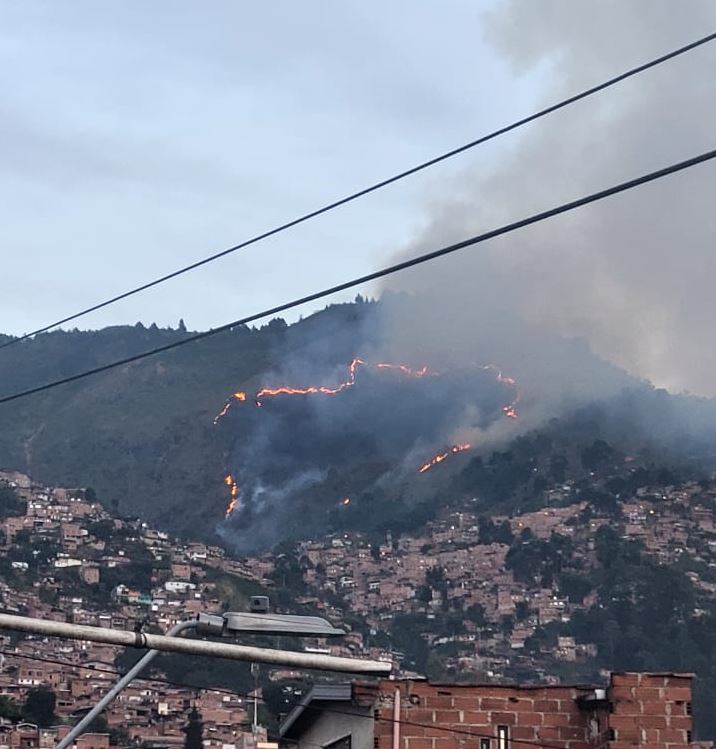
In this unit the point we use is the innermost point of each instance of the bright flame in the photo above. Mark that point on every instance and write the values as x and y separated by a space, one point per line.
440 457
422 372
269 392
233 493
313 390
223 412
509 410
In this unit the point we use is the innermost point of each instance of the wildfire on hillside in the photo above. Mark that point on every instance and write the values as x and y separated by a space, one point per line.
239 396
440 457
234 493
350 382
509 410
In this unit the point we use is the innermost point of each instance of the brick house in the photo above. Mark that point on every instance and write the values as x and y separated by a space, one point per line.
635 710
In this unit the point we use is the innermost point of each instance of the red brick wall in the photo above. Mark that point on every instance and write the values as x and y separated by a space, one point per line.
647 710
650 710
547 715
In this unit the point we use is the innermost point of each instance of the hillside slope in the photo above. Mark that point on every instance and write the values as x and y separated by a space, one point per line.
141 435
144 436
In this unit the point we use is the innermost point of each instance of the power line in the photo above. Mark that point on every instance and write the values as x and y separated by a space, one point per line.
374 187
116 672
332 711
397 267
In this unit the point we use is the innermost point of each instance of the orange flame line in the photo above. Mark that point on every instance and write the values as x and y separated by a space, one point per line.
323 389
509 410
440 457
234 494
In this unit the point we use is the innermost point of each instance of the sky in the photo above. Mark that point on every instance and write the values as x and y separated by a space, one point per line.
633 276
138 137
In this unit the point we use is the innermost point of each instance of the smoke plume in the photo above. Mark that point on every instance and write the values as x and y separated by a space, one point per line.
631 276
582 310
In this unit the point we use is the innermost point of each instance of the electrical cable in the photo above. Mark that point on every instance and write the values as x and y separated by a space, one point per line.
374 187
360 280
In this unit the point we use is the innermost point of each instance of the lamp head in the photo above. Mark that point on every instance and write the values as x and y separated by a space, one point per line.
249 622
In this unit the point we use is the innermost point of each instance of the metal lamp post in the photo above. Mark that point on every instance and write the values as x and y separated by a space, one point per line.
258 621
139 666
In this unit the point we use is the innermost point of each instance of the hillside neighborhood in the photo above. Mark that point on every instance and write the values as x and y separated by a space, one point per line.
460 591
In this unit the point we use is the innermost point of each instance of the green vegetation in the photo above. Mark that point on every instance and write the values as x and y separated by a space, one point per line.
649 618
143 435
10 503
537 562
194 730
234 591
39 707
9 709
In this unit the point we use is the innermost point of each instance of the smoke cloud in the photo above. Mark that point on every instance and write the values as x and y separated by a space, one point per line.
582 310
631 277
362 446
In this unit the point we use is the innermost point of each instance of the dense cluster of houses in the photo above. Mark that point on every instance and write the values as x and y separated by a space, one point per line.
394 578
66 557
63 537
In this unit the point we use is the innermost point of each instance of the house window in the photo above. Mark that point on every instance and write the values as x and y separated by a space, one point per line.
503 736
342 743
484 743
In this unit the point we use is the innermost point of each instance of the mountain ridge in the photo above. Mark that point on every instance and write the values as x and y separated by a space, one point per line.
143 434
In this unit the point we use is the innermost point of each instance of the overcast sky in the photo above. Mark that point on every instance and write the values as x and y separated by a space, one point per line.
137 136
633 276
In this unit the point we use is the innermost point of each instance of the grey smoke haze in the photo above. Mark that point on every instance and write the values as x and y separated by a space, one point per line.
632 276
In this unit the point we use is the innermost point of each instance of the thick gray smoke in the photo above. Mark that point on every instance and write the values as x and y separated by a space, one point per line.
632 276
568 307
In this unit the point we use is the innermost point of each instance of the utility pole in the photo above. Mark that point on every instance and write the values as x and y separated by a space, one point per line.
132 674
255 673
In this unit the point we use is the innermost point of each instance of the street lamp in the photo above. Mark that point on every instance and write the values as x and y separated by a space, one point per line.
239 622
256 621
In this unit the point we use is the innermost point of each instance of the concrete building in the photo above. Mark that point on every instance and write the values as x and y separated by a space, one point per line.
334 716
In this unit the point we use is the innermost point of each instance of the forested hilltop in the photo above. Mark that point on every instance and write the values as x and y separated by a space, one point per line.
351 437
143 434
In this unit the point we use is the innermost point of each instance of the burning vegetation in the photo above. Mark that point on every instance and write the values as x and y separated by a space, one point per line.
440 457
234 493
397 373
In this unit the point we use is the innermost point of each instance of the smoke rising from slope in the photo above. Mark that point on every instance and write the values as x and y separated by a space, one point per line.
632 276
308 457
